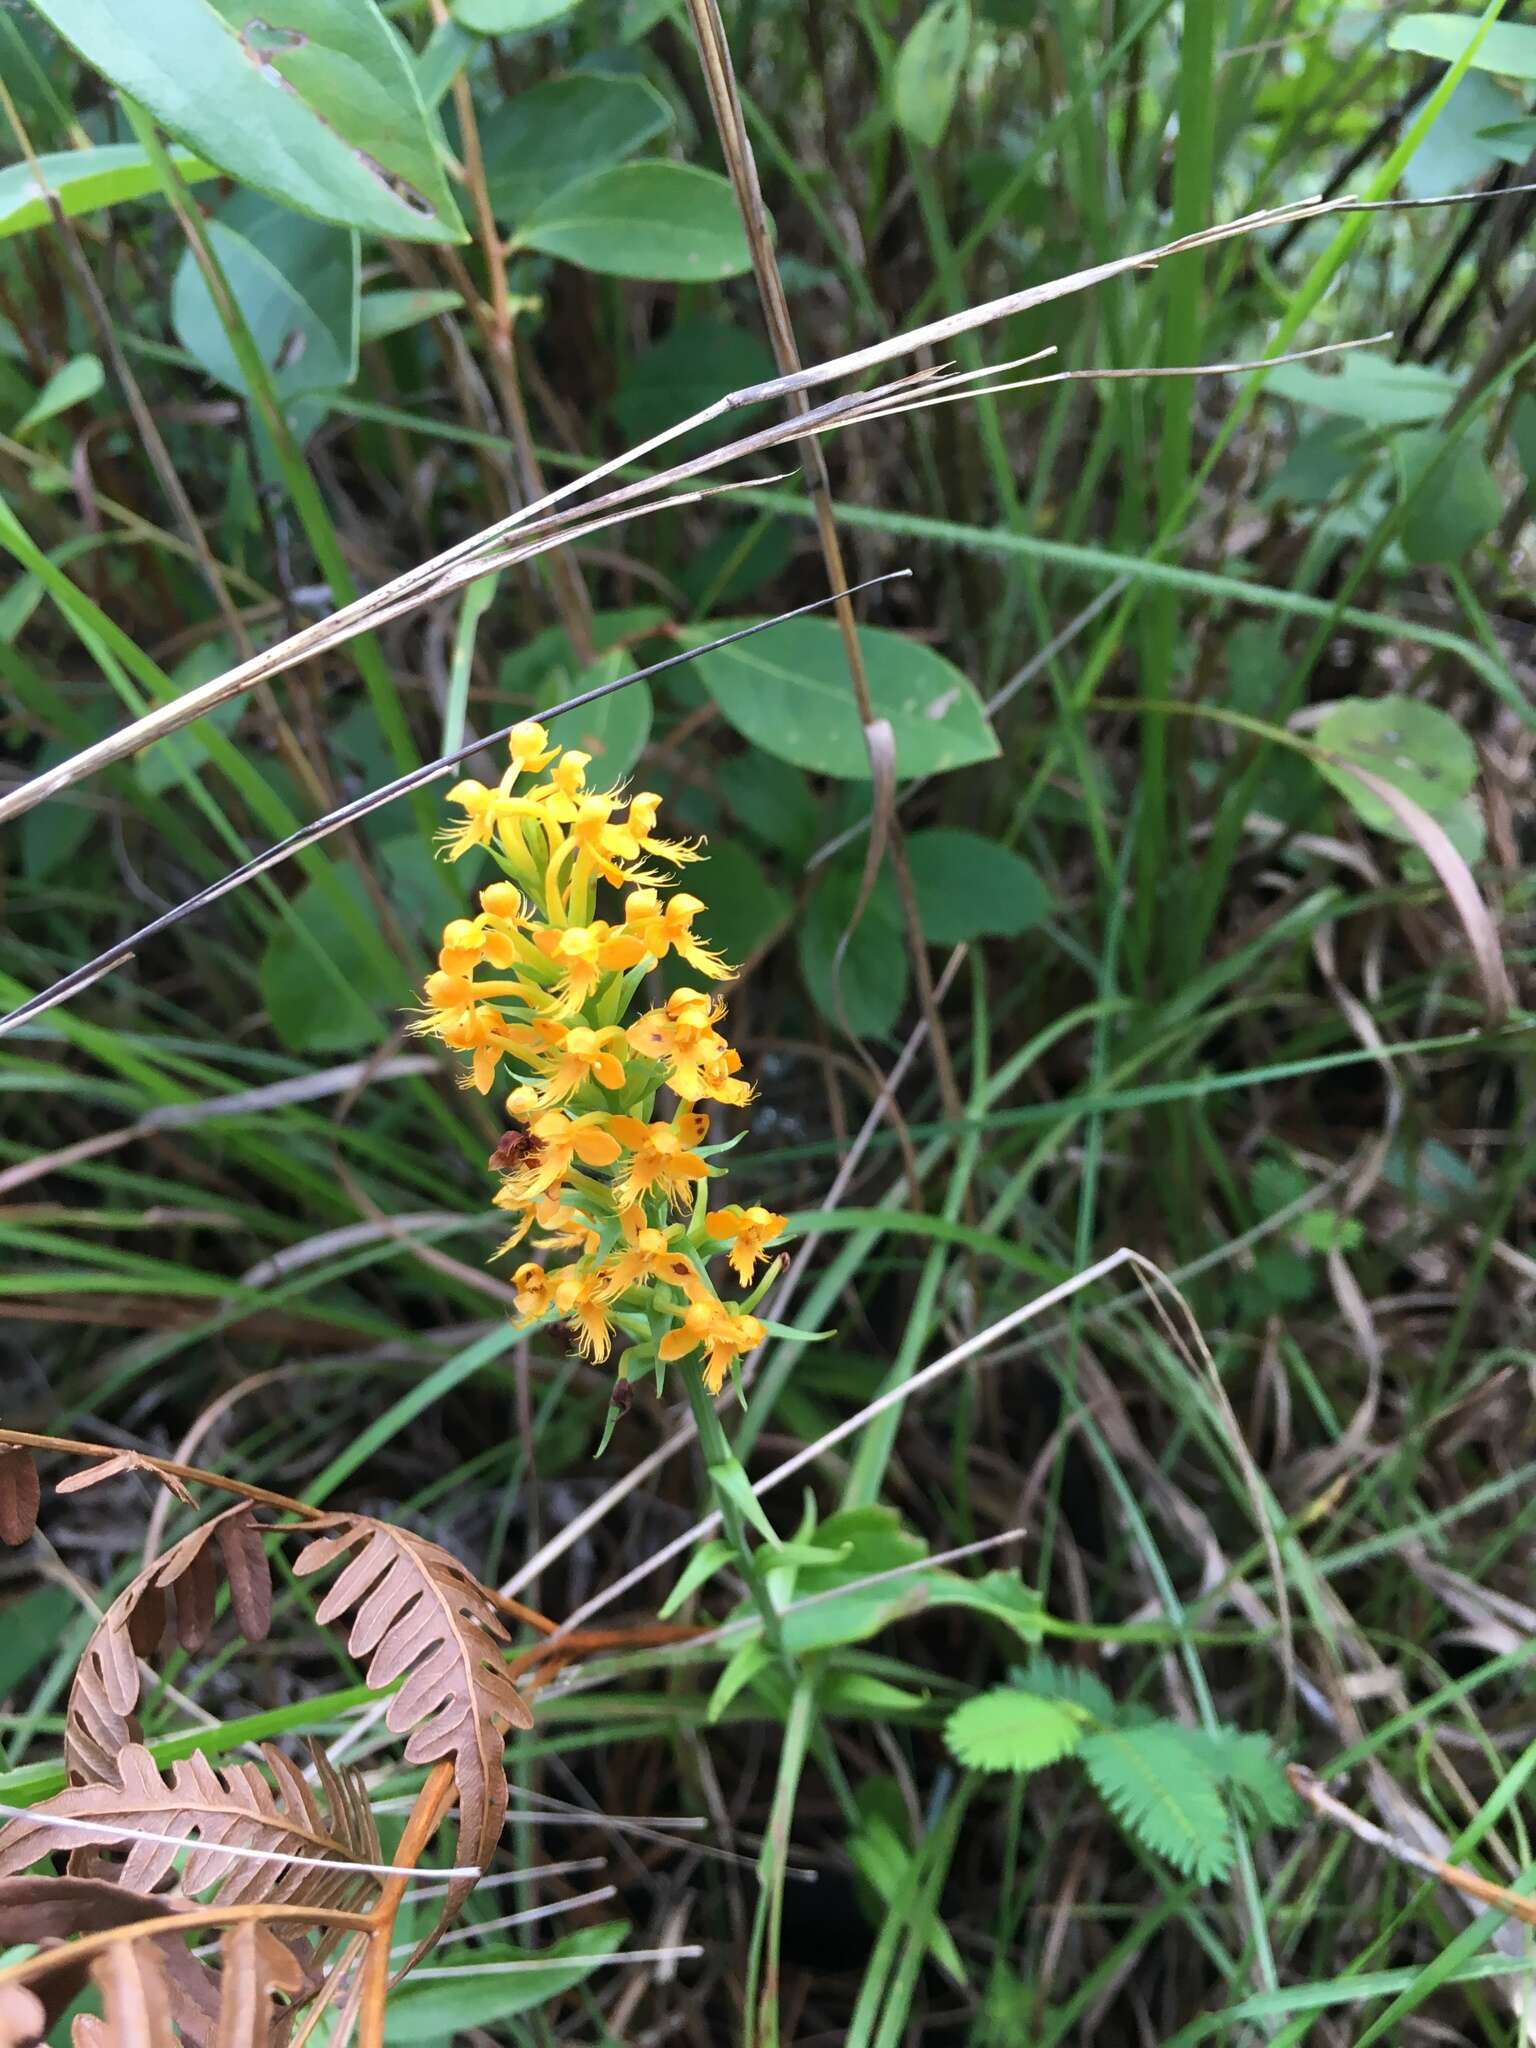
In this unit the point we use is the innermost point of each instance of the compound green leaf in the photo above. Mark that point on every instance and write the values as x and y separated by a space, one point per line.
1009 1730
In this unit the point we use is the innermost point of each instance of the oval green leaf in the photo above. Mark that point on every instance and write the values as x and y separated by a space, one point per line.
437 2010
972 888
561 132
666 221
788 692
746 910
296 282
312 101
83 180
873 976
1445 514
1421 750
929 68
1509 48
509 17
308 1012
80 378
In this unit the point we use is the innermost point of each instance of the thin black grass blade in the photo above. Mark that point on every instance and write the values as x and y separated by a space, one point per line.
80 978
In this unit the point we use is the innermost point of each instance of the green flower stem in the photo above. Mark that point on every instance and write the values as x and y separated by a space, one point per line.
717 1452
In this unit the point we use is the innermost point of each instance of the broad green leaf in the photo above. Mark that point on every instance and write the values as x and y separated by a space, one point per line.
1009 1730
83 180
1458 150
1456 508
422 890
424 2009
311 1015
1424 752
615 729
746 910
1317 463
772 799
295 281
561 132
81 378
653 220
1507 49
1001 1596
447 50
744 555
638 17
1511 141
696 362
929 68
872 979
509 17
51 834
312 101
1372 389
163 765
972 888
37 1625
788 692
392 312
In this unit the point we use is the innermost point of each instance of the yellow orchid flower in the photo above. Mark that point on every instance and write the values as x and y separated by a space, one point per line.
746 1231
725 1330
660 1158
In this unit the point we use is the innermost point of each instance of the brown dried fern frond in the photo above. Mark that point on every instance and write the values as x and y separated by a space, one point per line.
23 2019
253 1966
305 1849
47 1911
421 1615
19 1495
99 1722
136 2000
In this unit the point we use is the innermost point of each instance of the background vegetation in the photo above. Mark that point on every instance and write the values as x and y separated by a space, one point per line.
298 323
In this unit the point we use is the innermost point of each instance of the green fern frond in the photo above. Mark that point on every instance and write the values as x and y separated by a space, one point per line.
1155 1786
1009 1730
1246 1764
1051 1681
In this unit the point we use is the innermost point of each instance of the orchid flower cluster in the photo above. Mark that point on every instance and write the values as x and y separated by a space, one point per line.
609 1183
